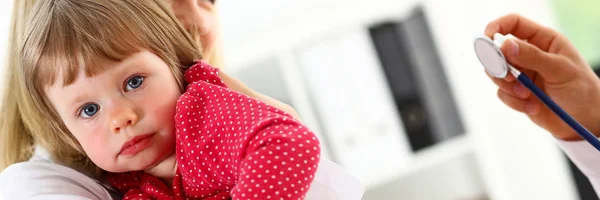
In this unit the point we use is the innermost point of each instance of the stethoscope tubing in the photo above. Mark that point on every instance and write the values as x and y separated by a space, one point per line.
526 81
582 131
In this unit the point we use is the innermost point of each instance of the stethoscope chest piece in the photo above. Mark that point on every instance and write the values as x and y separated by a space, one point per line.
491 57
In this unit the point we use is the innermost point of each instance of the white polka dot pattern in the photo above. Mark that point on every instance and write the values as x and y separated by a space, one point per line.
231 146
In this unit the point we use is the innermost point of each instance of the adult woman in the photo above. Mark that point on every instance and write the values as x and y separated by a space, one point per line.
33 173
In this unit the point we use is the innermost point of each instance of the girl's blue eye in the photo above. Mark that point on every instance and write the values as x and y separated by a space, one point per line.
134 82
89 110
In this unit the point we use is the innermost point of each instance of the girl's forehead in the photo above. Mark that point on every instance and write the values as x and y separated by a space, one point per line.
67 74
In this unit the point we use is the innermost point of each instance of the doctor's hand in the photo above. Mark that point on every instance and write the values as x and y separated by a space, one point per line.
556 67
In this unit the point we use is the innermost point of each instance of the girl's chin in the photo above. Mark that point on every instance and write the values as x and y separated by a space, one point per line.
161 161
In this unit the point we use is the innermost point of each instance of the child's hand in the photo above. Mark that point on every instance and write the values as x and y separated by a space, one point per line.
555 66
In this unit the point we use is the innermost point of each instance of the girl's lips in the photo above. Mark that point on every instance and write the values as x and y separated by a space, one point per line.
136 144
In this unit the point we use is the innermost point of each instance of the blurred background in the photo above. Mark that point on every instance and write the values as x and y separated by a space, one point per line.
395 92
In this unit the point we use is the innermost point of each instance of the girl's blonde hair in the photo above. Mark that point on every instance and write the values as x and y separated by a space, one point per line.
15 147
65 36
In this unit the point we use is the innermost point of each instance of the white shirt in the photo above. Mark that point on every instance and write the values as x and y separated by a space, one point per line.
40 178
587 159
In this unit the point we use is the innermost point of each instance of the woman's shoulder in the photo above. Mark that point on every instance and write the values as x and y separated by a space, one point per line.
38 179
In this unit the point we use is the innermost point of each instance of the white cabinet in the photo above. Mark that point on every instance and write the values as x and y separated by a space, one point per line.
354 105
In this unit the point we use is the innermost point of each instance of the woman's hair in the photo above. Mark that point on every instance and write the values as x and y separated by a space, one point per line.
65 36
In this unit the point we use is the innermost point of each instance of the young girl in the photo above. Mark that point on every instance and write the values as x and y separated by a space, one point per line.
103 84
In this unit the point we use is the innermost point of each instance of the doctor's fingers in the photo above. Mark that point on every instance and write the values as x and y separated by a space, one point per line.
554 68
541 36
529 106
514 88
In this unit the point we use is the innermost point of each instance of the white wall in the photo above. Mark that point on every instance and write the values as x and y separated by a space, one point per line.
5 12
247 36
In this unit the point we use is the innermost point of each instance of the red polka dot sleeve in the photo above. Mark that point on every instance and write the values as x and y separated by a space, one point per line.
230 146
227 141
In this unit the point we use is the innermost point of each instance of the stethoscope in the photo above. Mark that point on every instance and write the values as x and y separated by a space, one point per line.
489 54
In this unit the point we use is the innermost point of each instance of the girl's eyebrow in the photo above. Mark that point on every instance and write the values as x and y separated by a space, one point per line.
74 104
129 67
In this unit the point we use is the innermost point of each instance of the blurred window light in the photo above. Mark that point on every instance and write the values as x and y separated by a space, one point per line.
579 20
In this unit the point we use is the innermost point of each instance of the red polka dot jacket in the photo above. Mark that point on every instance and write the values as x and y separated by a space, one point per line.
230 146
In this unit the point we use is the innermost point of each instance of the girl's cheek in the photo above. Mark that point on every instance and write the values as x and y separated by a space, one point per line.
93 137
